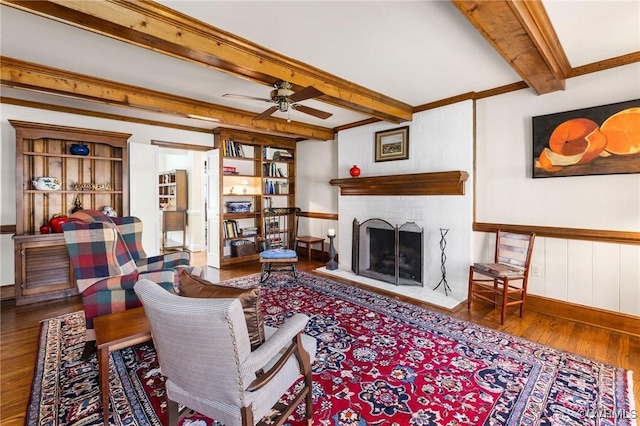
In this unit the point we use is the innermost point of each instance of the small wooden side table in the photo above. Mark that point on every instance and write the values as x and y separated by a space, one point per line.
116 331
309 242
174 220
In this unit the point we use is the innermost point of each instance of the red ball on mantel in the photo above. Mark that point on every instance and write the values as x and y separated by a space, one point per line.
355 171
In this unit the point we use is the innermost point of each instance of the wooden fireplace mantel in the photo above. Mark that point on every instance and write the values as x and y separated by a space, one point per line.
437 183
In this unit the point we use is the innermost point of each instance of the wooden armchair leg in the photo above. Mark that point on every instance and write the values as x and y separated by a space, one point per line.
89 349
173 414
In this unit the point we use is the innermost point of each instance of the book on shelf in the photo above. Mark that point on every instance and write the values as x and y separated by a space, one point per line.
272 170
499 269
232 149
231 229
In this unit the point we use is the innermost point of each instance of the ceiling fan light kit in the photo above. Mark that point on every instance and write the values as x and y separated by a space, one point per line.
284 97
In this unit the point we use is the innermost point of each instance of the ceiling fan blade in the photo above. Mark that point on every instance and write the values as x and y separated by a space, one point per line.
253 98
312 111
267 113
306 93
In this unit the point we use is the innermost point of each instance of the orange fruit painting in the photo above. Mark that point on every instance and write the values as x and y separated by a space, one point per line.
578 137
599 140
623 132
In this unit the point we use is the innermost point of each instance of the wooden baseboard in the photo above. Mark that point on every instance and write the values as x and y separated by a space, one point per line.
7 292
609 320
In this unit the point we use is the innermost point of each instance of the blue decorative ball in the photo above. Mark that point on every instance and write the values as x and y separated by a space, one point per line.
79 149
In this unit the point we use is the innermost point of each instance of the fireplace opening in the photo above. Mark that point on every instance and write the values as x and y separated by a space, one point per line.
388 253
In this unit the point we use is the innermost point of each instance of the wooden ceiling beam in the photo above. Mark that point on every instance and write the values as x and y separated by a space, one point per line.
152 26
523 35
25 75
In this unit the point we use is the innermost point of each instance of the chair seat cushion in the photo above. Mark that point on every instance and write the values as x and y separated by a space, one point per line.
197 287
278 254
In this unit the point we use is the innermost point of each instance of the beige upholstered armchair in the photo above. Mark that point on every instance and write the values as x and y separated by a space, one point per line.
205 354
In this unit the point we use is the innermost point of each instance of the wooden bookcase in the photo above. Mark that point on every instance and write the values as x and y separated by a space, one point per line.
172 190
172 193
257 169
42 267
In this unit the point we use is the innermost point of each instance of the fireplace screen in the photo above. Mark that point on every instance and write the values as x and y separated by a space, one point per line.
388 253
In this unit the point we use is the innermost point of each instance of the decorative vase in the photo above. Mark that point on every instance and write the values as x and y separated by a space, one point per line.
55 223
355 171
79 149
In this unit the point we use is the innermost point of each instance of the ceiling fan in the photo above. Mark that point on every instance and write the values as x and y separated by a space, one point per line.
284 97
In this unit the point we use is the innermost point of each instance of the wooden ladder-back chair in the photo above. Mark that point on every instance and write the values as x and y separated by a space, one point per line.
504 282
280 233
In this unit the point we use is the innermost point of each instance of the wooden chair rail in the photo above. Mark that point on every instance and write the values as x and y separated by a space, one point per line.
620 237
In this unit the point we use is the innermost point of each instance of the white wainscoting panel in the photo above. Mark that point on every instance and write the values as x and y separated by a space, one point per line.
580 267
536 285
587 273
630 279
606 276
555 257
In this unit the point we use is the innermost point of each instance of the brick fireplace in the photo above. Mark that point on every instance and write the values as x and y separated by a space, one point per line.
418 204
440 143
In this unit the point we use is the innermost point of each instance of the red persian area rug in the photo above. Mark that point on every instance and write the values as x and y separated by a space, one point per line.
379 362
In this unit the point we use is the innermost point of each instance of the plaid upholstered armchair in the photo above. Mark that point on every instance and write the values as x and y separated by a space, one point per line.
130 228
106 271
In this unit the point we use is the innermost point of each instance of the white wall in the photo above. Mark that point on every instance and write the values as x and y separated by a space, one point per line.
317 164
439 140
504 158
141 133
602 275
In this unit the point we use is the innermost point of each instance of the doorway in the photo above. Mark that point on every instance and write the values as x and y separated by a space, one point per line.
194 162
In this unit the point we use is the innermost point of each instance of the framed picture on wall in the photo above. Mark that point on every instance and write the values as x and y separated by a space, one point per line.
392 144
591 141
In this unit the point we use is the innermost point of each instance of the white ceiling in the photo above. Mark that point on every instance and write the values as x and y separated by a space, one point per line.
414 51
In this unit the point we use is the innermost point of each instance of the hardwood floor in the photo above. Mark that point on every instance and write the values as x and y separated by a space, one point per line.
20 327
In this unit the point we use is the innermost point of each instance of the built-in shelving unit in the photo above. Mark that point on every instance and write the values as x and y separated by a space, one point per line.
254 171
96 180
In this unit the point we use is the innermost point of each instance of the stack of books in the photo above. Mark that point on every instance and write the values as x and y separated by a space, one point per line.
249 231
282 155
229 170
